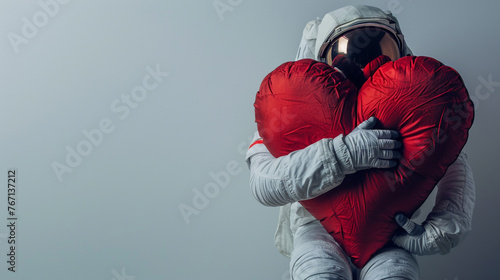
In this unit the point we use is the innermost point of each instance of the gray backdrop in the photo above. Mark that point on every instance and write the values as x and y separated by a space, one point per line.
118 114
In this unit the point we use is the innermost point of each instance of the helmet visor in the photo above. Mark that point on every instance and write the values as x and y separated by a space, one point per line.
362 45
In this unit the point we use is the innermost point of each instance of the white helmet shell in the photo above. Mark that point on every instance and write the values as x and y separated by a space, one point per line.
337 22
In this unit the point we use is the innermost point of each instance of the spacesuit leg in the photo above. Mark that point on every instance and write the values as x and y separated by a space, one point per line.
316 255
391 263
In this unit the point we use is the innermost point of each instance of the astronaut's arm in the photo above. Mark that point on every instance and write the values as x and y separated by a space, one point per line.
451 218
300 175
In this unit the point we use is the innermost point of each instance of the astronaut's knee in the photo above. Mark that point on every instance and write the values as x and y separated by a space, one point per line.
392 263
319 260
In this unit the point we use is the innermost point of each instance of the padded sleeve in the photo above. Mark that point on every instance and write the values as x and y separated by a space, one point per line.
452 213
300 175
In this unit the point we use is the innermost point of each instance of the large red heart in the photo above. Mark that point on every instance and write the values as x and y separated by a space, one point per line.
302 102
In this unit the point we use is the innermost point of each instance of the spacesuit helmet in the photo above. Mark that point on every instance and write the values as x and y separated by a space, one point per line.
359 34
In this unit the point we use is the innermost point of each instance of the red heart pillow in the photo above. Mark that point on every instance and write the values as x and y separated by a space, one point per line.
302 102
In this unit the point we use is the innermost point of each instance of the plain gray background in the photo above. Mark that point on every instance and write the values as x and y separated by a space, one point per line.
116 215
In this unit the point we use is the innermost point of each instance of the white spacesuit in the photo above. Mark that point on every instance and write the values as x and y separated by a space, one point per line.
318 168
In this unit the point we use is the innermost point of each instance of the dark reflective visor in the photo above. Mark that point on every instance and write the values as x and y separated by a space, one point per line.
362 45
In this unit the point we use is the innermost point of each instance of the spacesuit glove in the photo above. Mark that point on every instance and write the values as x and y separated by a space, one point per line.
417 239
451 218
428 238
372 148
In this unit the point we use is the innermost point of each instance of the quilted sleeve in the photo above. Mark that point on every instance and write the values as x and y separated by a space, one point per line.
300 175
452 213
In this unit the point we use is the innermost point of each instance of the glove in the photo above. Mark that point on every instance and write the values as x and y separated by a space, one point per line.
372 148
450 220
425 239
417 239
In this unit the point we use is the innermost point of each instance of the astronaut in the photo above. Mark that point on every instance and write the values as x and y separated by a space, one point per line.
349 38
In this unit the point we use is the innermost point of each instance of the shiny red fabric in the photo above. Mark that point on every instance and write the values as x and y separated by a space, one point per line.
302 102
421 98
